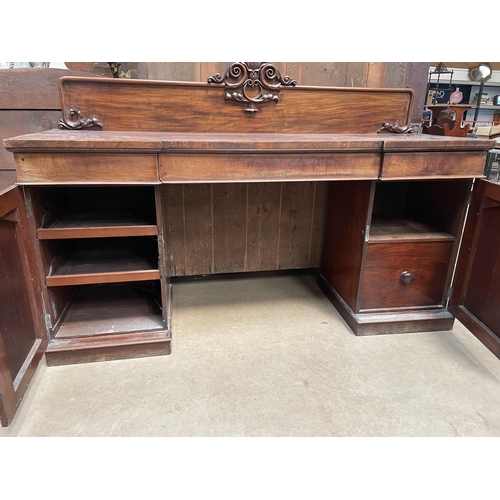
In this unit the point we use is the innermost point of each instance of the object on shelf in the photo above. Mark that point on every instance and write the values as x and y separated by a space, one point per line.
484 98
440 93
456 97
489 132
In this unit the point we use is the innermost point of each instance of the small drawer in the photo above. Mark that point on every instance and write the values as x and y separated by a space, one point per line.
86 168
437 165
408 274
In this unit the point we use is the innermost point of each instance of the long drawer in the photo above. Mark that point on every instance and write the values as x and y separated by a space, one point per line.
261 167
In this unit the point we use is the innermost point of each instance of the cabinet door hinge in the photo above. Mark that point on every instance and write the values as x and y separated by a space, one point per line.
449 293
468 200
29 210
48 322
367 233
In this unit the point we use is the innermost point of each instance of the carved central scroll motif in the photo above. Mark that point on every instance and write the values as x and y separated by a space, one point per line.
252 82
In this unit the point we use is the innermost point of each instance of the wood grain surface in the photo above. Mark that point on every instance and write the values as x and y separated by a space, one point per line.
477 288
148 105
267 167
66 168
433 165
248 227
382 286
349 212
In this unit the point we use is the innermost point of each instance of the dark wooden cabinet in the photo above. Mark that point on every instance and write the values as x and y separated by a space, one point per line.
100 265
181 182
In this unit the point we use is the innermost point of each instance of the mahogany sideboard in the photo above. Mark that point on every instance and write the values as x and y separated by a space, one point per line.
148 181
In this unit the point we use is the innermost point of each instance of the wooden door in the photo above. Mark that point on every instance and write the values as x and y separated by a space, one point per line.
22 329
476 296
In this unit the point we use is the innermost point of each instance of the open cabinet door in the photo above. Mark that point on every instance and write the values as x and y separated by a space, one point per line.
476 295
22 329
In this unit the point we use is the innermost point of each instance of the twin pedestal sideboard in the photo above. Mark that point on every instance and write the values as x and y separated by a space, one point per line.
146 182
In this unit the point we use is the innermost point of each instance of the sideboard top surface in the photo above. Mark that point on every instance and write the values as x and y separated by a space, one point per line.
100 140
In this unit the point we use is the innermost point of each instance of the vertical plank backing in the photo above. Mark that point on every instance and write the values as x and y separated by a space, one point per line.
376 74
19 122
295 71
208 69
318 223
173 220
173 71
295 224
198 228
356 74
263 215
325 73
229 227
226 228
416 75
395 75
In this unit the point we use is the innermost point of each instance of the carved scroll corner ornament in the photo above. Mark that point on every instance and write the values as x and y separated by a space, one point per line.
79 123
261 79
395 128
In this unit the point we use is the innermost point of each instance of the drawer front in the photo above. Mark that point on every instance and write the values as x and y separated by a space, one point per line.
87 168
268 167
405 274
437 165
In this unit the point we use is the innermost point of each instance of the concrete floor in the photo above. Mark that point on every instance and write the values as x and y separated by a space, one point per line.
272 357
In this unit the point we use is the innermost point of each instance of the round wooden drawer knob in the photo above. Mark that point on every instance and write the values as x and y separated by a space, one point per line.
407 277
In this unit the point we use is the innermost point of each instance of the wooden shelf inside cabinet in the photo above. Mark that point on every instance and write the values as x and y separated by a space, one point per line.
99 225
386 230
111 309
113 260
111 321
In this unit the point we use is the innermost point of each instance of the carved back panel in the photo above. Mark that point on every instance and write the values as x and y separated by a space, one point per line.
159 106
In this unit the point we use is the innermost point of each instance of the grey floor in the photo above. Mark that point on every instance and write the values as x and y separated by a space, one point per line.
272 357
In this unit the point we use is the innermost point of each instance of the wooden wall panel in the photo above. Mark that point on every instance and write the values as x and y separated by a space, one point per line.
172 203
198 228
29 102
355 74
320 205
395 75
229 221
416 75
22 121
263 218
296 224
173 71
375 74
244 227
324 74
